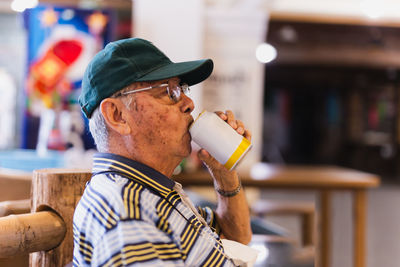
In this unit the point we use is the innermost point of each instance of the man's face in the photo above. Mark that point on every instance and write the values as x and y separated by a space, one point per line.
160 124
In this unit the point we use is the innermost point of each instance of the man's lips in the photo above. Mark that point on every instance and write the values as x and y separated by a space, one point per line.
190 122
189 125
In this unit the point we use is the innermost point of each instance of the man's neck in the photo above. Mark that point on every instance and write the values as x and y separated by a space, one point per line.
161 162
164 166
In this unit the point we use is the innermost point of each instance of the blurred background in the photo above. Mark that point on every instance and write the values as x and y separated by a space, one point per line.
316 81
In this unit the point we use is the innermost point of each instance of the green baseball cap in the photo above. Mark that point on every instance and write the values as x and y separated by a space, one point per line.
126 61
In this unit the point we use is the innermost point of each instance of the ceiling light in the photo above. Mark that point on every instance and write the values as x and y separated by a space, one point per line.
265 53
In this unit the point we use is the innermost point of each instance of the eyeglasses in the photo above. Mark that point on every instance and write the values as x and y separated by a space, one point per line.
174 92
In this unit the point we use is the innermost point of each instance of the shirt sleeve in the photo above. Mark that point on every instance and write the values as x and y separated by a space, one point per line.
209 215
136 243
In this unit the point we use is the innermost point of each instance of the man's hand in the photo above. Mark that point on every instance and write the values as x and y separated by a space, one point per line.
232 212
224 179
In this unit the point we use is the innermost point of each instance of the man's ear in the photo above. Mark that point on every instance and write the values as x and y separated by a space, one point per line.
113 111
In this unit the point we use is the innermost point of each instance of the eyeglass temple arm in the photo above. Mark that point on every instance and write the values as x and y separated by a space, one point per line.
144 89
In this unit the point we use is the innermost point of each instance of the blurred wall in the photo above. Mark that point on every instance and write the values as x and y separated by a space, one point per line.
174 26
12 62
229 34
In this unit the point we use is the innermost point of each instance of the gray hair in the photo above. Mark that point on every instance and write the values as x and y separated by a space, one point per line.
98 126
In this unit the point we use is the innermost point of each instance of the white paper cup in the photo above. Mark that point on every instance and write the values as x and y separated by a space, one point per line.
216 136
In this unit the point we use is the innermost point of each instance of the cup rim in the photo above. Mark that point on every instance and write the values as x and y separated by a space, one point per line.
201 113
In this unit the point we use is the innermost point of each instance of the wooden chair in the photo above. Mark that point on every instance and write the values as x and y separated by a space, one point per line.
46 232
14 186
15 207
304 253
305 210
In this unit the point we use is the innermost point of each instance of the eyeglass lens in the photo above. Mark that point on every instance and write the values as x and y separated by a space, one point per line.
175 93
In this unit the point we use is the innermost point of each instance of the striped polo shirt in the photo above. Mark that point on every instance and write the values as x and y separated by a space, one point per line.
130 214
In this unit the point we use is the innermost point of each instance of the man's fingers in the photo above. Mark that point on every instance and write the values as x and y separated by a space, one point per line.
231 119
222 115
237 125
203 154
207 158
240 129
247 134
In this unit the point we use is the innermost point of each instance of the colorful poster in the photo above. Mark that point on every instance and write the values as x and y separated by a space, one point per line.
61 42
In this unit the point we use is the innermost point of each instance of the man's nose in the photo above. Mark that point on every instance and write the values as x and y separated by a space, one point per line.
187 104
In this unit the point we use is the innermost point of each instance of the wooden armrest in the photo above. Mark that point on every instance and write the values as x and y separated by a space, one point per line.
15 207
26 233
306 211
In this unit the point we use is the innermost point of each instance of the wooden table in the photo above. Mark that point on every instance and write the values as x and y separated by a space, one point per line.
324 179
14 185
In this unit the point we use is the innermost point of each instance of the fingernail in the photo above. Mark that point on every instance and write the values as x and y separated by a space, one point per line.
240 129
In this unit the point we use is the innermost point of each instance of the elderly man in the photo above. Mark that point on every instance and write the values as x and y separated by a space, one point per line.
132 212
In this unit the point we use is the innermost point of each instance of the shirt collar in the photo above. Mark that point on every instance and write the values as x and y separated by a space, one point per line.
143 174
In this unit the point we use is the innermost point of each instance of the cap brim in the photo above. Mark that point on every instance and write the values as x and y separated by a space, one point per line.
190 72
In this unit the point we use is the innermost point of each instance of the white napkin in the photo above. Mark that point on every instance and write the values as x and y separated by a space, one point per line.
240 254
